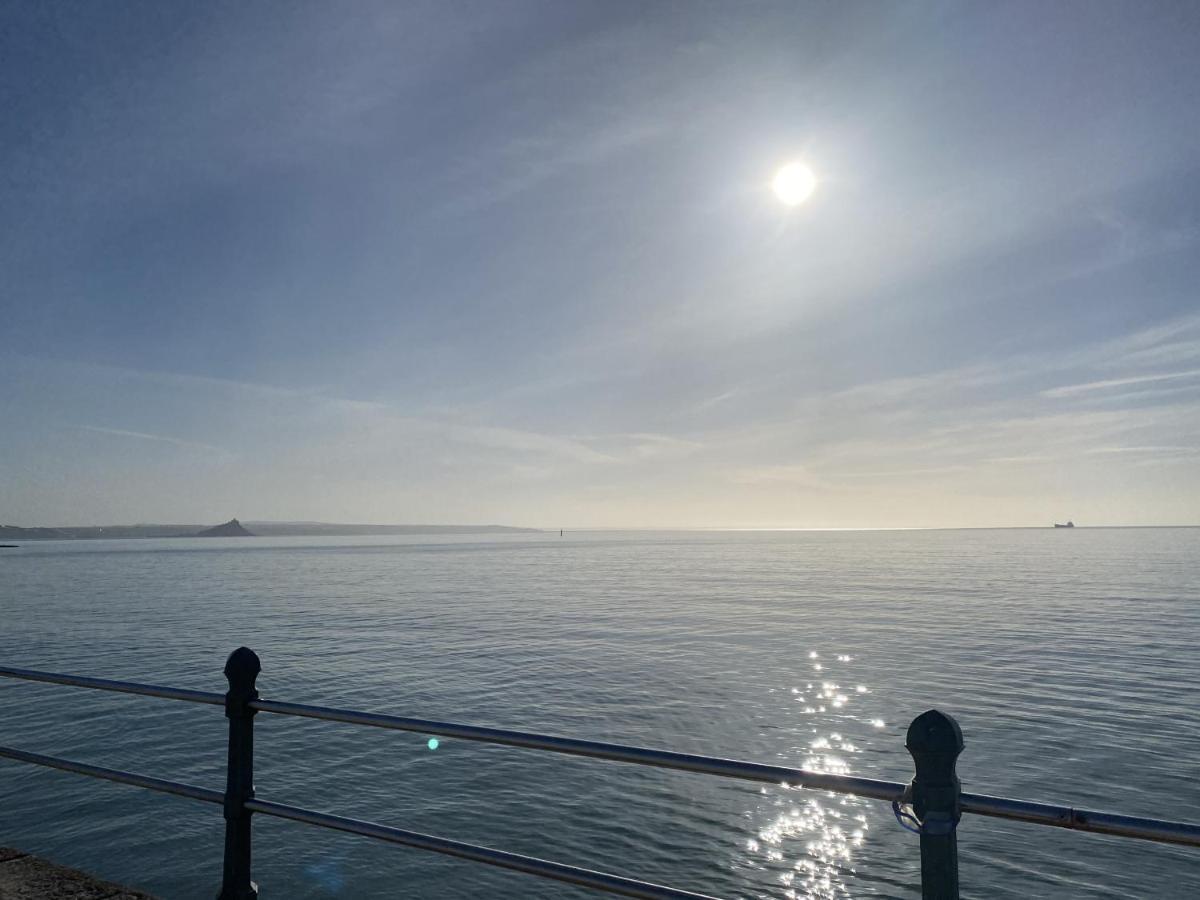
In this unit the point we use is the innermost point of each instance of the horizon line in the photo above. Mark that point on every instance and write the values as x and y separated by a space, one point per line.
606 528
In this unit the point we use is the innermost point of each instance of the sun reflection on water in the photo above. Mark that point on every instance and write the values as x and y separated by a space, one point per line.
809 839
830 830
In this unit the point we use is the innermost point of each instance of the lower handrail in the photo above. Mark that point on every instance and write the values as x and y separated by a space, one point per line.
143 781
530 865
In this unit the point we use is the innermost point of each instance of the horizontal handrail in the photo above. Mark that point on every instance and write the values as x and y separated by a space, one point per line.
530 865
122 687
1117 824
645 756
143 781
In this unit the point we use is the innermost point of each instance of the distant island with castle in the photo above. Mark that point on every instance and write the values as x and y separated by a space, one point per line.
232 528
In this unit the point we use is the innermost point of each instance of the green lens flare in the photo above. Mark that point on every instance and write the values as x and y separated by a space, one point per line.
432 743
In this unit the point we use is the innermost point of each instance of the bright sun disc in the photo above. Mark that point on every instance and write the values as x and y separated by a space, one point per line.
794 183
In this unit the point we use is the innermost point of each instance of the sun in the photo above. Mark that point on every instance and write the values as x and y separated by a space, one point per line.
794 183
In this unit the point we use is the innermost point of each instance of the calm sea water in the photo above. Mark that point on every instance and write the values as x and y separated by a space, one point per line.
1069 658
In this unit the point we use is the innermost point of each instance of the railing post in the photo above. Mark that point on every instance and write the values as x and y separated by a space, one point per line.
241 669
935 741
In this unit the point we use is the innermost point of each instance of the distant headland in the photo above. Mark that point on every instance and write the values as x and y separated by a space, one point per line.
235 528
232 528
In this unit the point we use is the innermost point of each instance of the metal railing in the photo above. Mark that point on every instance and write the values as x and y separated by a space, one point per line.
932 802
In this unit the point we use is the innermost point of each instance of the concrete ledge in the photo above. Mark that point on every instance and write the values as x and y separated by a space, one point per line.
25 877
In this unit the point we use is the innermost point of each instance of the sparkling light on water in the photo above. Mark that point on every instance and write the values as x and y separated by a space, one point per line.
808 840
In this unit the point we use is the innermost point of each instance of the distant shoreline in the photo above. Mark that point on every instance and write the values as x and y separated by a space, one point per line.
259 529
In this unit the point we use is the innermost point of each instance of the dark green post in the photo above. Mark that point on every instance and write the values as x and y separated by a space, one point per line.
935 740
241 669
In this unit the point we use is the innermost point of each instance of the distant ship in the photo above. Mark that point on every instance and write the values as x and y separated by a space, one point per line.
1069 524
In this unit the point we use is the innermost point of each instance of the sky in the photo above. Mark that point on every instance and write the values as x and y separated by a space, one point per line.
521 263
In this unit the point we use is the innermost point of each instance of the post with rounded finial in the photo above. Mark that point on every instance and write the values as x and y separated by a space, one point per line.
935 741
241 669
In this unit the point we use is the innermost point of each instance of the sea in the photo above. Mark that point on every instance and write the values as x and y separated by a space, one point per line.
1070 658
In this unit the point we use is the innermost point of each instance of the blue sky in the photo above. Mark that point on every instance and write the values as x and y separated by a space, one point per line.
521 263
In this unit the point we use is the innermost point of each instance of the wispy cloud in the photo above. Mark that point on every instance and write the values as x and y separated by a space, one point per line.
715 400
1160 450
384 416
795 475
159 438
514 439
1072 389
989 414
533 162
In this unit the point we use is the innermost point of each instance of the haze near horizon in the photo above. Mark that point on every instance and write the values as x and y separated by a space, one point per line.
600 264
